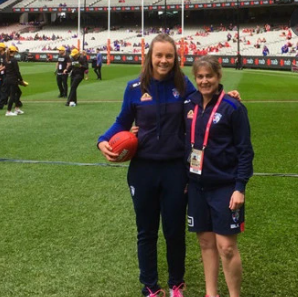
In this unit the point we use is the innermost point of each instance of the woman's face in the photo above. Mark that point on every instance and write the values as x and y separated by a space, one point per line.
163 59
207 81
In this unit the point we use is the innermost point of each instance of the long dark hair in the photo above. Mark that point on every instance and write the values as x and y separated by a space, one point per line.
147 72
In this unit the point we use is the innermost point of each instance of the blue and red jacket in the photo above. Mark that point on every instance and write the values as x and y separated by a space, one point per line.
159 116
229 154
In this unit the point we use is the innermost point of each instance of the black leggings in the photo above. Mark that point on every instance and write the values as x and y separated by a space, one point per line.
14 95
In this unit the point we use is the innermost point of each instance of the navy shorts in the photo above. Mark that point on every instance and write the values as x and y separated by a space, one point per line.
208 210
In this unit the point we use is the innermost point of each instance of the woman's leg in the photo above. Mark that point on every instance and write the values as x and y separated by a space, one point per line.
210 256
231 262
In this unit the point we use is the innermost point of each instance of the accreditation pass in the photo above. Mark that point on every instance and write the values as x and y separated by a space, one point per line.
195 161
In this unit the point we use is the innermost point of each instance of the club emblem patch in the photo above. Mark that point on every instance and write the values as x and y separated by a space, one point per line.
190 114
236 215
175 93
146 97
216 118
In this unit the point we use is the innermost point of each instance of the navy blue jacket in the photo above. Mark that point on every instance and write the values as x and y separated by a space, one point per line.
159 115
229 153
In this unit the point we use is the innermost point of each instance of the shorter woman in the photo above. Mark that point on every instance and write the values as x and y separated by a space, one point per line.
13 78
220 158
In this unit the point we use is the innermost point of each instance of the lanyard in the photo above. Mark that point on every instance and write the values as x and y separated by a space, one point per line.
207 131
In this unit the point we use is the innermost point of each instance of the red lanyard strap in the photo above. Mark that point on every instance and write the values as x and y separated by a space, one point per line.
207 131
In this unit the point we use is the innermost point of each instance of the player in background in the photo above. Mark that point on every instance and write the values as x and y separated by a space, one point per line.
3 89
77 69
63 62
13 79
98 64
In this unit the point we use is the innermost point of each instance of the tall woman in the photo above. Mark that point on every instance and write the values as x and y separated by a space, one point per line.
156 175
220 154
13 78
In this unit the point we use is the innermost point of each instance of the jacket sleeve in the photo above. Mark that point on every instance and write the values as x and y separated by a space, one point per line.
124 120
242 142
98 59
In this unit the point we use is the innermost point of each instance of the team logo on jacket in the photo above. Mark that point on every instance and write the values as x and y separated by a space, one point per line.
190 114
175 93
216 118
146 97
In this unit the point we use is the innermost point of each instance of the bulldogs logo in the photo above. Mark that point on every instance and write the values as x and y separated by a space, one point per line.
175 93
216 118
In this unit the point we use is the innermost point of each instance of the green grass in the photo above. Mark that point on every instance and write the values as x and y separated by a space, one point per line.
69 231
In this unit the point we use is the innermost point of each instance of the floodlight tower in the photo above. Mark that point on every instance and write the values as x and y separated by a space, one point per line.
109 34
79 25
239 58
84 25
182 48
143 40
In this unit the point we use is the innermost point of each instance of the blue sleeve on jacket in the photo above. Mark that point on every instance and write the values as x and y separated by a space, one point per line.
124 120
242 142
99 59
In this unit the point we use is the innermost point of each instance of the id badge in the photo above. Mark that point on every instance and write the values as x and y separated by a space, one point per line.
195 161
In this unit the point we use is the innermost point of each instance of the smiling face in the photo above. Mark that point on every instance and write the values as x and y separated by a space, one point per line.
207 73
207 81
163 59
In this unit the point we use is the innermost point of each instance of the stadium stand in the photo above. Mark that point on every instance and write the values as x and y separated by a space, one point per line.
127 40
43 35
97 3
6 4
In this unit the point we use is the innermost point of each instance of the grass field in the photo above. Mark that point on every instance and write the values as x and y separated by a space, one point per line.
67 223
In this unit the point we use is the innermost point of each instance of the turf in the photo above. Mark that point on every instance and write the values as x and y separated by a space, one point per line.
68 229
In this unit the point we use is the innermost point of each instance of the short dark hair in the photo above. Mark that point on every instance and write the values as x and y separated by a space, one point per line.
209 61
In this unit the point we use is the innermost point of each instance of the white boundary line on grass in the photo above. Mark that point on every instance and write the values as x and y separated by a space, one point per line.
120 165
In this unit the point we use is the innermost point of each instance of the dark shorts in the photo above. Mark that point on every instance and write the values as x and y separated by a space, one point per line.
208 210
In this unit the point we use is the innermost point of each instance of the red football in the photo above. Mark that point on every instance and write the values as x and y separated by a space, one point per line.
125 144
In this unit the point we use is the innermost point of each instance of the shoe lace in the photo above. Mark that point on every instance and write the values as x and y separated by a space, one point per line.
177 290
151 294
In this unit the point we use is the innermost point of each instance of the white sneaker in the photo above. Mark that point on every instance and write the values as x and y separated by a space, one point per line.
10 114
18 111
